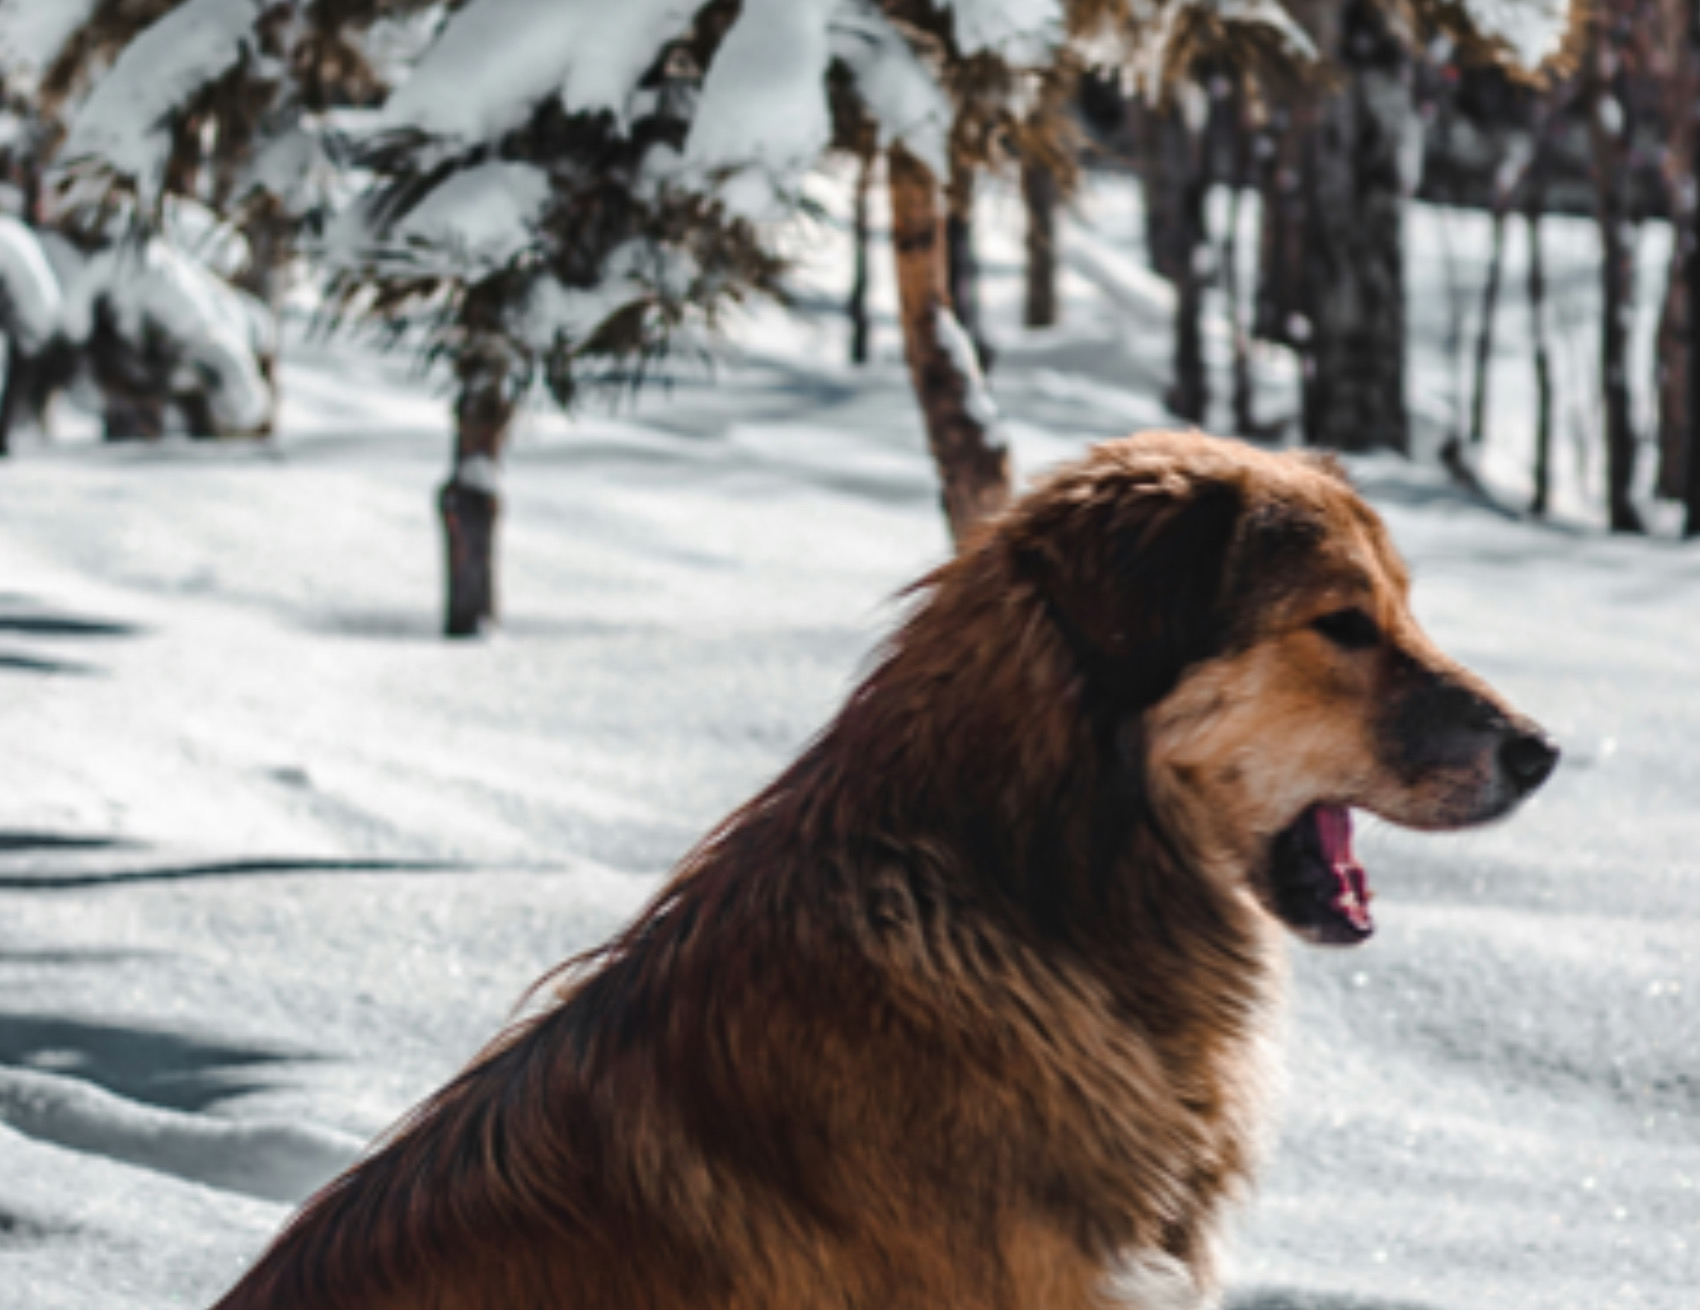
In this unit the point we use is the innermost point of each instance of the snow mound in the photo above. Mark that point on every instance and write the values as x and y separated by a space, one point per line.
271 1160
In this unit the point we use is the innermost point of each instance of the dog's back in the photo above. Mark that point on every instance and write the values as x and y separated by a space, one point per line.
865 1051
807 1082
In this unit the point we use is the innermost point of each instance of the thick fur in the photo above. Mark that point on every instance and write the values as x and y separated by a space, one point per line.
970 1007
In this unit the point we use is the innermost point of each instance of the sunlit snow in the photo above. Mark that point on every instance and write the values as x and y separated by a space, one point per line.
275 858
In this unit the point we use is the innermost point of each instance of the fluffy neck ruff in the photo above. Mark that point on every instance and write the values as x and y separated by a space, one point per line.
976 826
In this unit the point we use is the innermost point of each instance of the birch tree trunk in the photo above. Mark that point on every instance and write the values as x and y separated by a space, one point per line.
955 406
470 501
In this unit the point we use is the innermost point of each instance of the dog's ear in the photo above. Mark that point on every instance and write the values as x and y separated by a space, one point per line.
1132 573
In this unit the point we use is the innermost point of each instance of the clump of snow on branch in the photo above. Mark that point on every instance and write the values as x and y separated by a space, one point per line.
1270 16
634 272
33 302
198 232
495 61
904 98
296 166
1021 31
125 122
477 220
1532 30
32 34
763 104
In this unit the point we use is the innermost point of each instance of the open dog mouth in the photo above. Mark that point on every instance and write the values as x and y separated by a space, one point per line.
1316 884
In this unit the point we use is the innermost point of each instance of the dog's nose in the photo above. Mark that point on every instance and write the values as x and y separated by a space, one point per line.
1528 760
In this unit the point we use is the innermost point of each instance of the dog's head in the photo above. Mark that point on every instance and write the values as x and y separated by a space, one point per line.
1246 614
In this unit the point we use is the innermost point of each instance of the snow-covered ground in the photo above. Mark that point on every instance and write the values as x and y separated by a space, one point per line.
275 859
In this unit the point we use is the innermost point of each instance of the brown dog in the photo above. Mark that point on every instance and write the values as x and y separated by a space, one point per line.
968 1008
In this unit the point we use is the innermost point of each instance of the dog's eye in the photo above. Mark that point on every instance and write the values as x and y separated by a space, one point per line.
1350 629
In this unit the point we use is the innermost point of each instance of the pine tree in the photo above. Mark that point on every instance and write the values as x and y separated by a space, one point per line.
566 193
127 101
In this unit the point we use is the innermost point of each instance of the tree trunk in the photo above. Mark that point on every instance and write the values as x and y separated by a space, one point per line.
1675 64
1279 303
1189 394
470 501
25 395
1243 399
1245 418
1039 195
1691 231
958 413
1157 182
1445 115
1609 133
270 248
1484 330
858 304
1354 395
963 269
1671 366
1534 203
9 398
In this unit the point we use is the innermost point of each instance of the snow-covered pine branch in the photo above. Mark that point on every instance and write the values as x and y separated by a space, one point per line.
213 342
126 124
225 109
33 33
234 103
1524 33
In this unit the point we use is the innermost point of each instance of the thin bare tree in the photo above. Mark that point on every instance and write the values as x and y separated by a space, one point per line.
1690 240
1534 209
860 235
1611 128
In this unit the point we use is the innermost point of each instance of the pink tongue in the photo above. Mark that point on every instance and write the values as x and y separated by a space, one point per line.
1334 828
